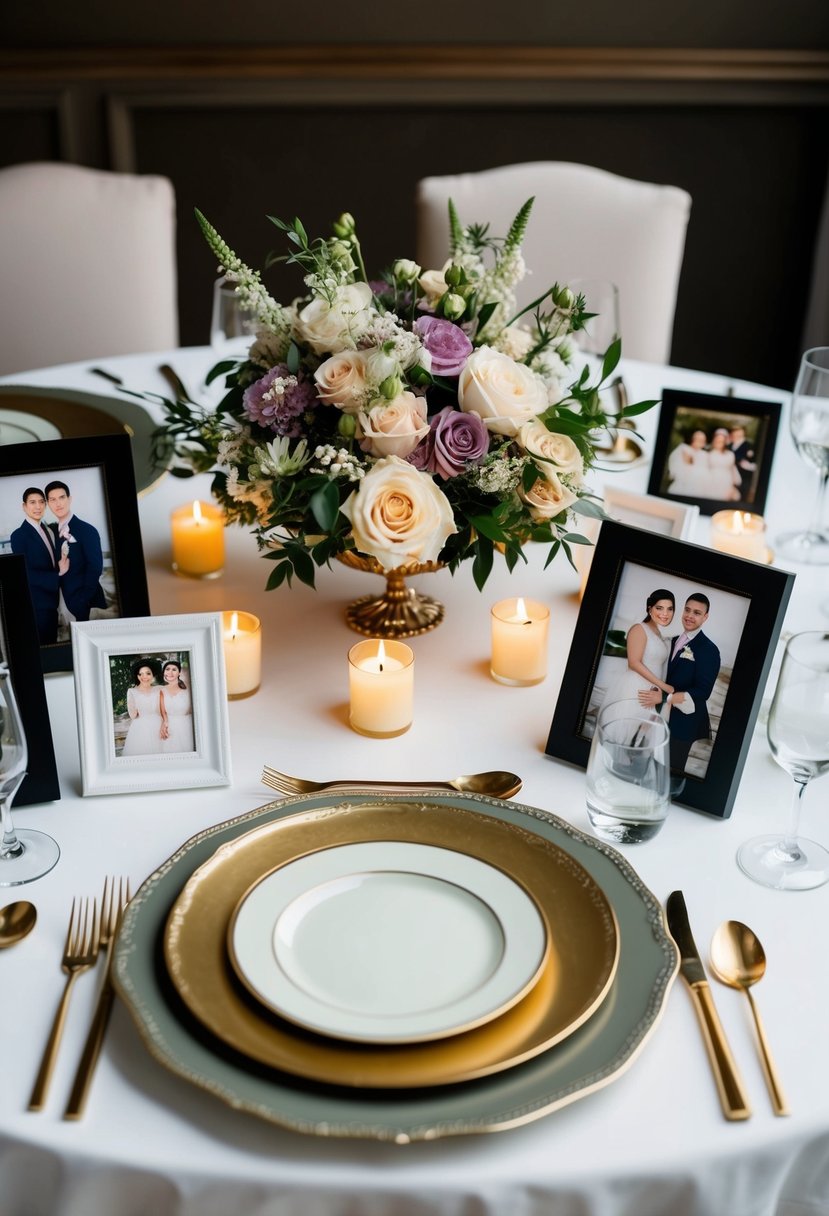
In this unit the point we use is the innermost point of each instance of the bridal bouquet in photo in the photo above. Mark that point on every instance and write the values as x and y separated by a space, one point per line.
418 418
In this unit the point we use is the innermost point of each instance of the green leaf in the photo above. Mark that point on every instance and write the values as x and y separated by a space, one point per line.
640 407
278 576
292 358
612 356
325 505
584 506
482 564
551 556
485 313
576 538
302 564
487 527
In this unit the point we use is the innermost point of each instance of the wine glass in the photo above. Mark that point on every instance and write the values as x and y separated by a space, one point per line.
602 298
25 854
809 423
232 326
798 731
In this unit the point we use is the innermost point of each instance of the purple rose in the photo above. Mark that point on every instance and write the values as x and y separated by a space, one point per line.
279 400
446 343
458 440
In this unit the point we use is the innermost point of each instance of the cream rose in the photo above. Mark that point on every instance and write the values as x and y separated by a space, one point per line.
341 380
547 498
505 394
555 453
394 428
434 284
329 328
398 514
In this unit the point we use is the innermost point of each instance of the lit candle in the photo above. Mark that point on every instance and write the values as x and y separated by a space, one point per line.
740 533
519 641
242 634
198 539
381 686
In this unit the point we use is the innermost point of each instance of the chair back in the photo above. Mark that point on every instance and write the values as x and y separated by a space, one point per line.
89 267
586 224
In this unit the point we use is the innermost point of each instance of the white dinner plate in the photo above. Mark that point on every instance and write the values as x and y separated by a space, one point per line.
19 427
388 942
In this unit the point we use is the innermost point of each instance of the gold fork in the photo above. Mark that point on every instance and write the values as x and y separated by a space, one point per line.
112 911
79 954
497 784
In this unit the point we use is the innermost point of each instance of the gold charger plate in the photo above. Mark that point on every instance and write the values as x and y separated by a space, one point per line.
584 947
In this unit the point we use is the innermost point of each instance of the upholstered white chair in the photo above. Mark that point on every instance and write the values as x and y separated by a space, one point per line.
586 223
87 265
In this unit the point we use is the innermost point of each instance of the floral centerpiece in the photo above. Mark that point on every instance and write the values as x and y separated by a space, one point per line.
417 419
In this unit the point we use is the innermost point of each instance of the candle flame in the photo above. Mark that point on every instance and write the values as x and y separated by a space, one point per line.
521 610
746 518
234 625
381 655
197 511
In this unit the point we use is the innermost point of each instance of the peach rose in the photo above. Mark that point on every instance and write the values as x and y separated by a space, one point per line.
394 428
398 514
505 394
547 498
341 380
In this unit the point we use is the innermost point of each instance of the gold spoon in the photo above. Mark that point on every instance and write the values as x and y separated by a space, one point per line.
16 920
496 784
738 959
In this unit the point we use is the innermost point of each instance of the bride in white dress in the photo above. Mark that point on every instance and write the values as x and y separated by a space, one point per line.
179 707
647 651
145 705
688 467
723 474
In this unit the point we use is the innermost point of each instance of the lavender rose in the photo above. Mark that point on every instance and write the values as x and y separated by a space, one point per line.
454 441
279 400
446 343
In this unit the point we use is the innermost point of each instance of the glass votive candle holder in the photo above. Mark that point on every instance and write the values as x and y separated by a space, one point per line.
739 533
519 641
198 539
381 688
242 643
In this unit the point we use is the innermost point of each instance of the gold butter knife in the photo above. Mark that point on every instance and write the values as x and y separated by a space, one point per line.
729 1082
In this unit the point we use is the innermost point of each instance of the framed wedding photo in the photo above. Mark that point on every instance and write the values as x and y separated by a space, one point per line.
20 648
152 703
714 451
694 631
68 507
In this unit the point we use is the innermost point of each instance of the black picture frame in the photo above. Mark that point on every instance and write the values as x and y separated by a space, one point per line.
20 648
682 412
752 596
104 464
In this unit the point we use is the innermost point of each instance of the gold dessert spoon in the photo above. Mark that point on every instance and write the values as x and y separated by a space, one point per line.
16 920
738 959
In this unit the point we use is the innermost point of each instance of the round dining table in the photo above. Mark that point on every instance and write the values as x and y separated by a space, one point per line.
654 1142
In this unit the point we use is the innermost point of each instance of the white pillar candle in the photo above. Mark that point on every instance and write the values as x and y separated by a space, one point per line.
381 687
739 533
198 536
519 641
242 638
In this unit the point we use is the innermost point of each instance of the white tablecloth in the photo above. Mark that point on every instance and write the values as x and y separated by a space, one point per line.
652 1143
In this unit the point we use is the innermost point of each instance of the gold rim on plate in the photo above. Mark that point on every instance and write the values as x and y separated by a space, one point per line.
584 947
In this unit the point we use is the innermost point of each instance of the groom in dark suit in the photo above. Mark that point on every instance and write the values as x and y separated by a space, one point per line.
693 667
44 566
79 541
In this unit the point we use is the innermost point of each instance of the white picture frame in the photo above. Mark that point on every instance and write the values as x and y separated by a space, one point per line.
660 515
108 655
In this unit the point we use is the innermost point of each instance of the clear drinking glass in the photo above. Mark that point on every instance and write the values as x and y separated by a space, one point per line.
232 326
809 424
798 732
602 298
628 773
25 854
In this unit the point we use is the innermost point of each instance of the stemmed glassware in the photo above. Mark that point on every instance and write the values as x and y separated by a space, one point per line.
809 424
232 326
24 854
798 732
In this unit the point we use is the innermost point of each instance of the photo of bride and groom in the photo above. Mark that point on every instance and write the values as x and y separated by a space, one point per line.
671 647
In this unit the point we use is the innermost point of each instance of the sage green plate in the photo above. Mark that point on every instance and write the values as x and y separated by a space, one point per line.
590 1058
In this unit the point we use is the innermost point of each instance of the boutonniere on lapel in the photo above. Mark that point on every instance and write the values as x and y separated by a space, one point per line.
687 653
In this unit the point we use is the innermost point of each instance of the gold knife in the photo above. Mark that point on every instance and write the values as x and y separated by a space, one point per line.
729 1082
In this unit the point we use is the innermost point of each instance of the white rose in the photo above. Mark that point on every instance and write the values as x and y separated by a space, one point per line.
341 380
547 498
505 394
394 428
328 328
434 284
550 449
398 514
